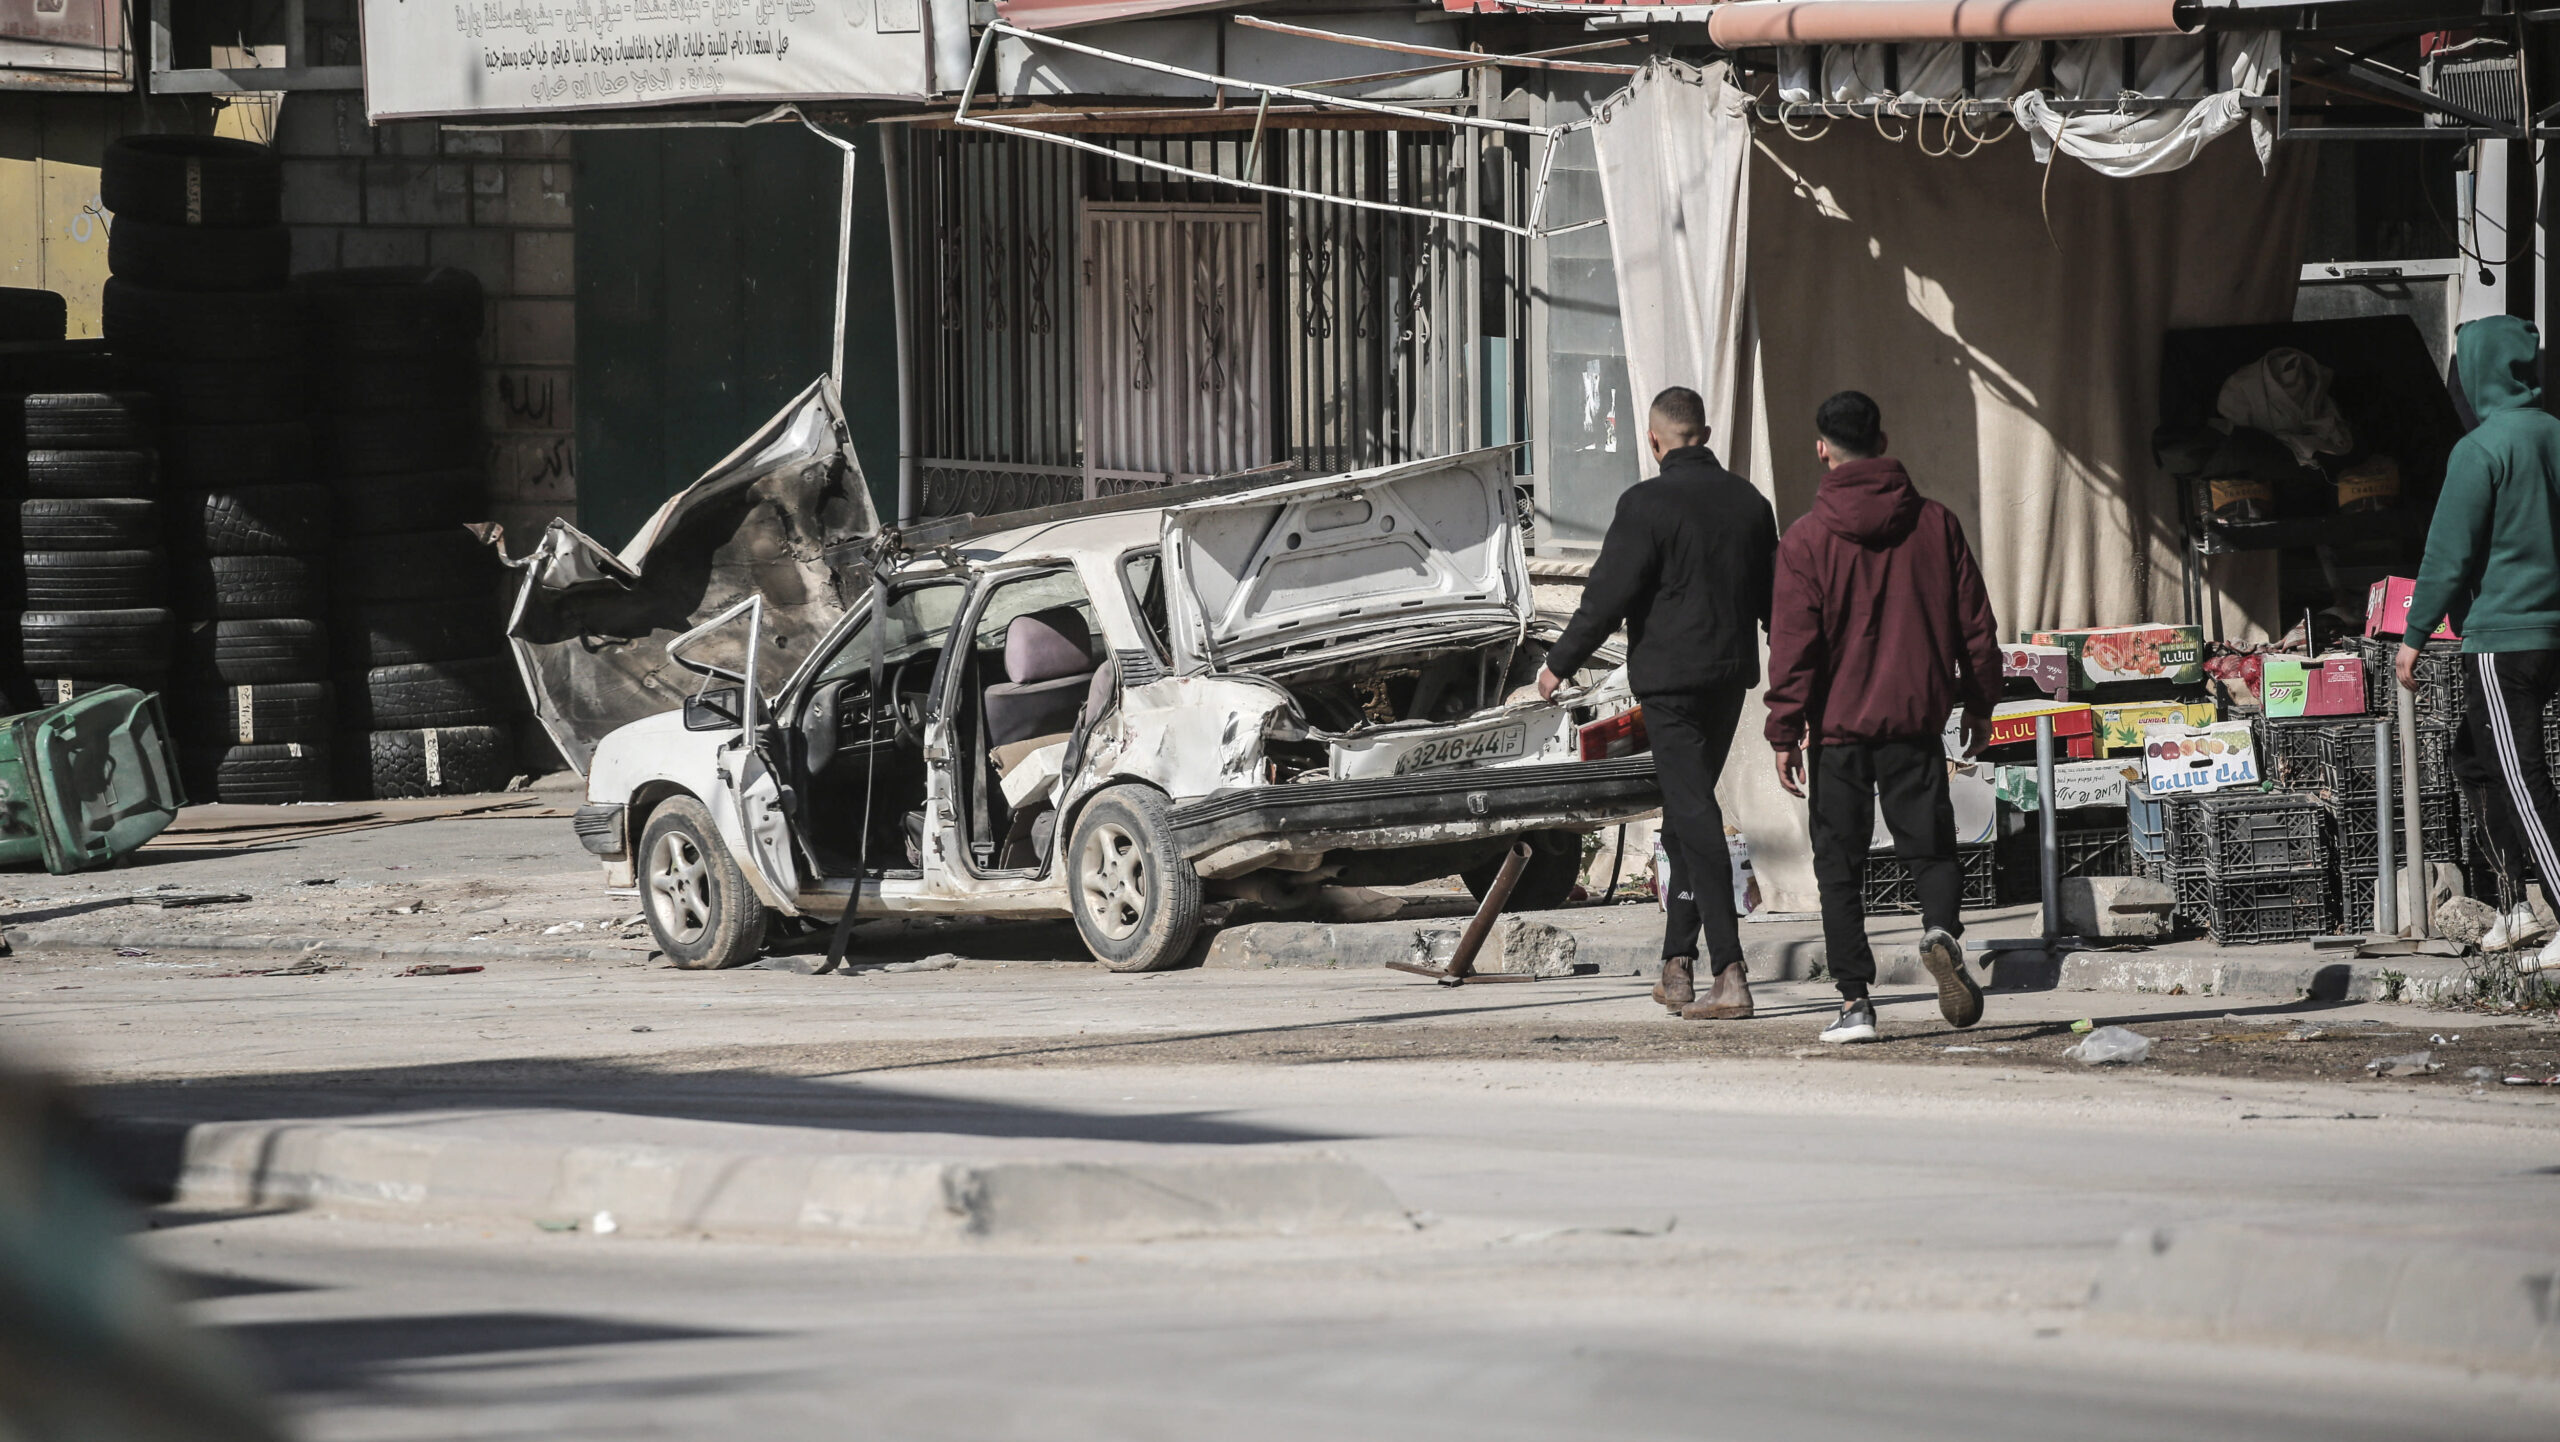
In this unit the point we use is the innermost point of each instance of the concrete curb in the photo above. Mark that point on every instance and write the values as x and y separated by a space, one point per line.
792 1185
2403 978
2473 1302
1268 945
52 939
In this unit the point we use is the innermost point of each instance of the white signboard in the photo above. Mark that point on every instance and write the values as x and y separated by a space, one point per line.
477 57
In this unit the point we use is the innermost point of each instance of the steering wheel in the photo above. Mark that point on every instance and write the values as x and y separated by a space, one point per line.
906 715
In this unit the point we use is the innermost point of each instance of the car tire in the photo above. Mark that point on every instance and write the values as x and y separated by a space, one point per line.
220 457
28 315
418 501
191 180
200 257
241 325
406 633
437 381
431 761
255 715
699 905
90 420
419 566
95 644
393 310
263 652
479 691
92 475
272 520
248 588
391 442
88 523
93 580
1547 882
220 393
1135 897
263 774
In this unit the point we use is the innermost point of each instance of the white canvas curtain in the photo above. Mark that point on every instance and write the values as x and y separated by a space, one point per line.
2007 318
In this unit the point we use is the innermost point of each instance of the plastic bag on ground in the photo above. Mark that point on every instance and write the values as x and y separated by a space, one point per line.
2109 1044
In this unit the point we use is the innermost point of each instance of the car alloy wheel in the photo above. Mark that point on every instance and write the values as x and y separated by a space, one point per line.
698 901
1112 872
1135 896
680 888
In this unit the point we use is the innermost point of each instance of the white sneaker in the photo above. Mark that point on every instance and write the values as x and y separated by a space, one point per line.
2496 937
1856 1022
2549 960
2523 927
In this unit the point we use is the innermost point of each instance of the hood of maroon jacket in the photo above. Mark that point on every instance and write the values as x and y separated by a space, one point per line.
1880 624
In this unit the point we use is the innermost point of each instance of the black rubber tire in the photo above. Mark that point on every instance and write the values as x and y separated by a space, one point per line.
394 442
265 774
275 520
94 580
28 315
437 761
422 501
703 913
218 457
418 566
228 393
262 652
199 325
1149 925
393 310
90 420
89 523
92 475
54 690
200 257
248 588
197 180
95 643
405 633
365 384
476 691
254 714
1547 882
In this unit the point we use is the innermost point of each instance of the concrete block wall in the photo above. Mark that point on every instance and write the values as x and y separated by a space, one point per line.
494 203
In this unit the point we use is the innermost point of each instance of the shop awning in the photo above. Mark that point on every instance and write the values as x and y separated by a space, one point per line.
1068 14
1740 23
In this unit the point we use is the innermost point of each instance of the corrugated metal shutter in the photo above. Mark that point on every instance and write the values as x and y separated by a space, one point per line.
1175 317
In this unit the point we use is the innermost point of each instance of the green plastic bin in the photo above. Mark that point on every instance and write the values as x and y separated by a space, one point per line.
85 783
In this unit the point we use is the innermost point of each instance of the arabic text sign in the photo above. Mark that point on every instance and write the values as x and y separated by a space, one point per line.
471 57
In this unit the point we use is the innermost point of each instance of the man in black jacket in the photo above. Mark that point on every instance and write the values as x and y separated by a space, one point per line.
1687 567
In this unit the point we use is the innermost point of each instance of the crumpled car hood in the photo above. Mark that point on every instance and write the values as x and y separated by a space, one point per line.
782 516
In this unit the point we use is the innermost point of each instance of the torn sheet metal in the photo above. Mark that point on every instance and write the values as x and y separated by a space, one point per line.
781 517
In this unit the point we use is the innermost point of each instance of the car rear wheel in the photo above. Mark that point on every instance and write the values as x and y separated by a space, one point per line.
1547 882
1136 899
697 900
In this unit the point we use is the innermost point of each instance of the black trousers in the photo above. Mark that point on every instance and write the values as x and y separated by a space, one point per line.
1690 735
1848 783
2498 758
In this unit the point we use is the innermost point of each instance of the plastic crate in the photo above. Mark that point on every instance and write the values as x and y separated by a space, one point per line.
2261 834
1887 889
2347 758
2355 904
2271 908
2146 824
2439 678
2295 754
2079 851
2440 820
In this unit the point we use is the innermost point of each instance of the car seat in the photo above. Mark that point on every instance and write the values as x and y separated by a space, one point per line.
1048 666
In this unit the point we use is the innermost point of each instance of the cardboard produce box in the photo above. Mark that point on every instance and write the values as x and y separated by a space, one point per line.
2187 760
2329 686
2075 783
2115 655
2386 610
1977 808
2045 668
2013 731
2120 724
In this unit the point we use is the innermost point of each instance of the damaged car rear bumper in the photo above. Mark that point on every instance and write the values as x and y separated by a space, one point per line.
1235 831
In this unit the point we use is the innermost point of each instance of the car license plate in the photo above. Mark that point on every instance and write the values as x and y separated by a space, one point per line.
1495 743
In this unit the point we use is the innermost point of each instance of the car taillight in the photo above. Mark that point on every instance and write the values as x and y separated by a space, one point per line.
1620 735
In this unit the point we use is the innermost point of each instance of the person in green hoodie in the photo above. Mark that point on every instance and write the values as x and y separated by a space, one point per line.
2493 568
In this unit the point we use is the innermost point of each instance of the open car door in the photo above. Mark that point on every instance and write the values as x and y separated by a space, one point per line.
780 519
749 801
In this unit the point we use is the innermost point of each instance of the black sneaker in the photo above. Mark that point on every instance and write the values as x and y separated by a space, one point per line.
1856 1022
1959 995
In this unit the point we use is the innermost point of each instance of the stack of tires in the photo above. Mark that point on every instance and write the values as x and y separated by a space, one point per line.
92 573
425 690
198 296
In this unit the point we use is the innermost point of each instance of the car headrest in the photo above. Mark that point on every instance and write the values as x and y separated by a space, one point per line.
1047 645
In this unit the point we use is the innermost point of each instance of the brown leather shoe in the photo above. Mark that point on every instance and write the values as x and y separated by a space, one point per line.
1679 985
1728 997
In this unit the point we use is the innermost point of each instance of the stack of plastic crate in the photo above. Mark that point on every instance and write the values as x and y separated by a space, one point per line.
2161 830
1886 887
2439 697
2266 865
2348 792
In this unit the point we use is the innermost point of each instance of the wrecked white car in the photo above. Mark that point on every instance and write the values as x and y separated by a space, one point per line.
1115 717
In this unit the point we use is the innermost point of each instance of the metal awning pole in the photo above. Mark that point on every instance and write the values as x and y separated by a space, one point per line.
2412 824
2386 884
2048 852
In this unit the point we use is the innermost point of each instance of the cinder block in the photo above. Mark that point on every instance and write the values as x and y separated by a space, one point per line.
315 247
533 468
475 142
324 192
402 192
538 144
520 398
489 180
369 246
534 332
407 137
545 262
322 124
537 195
2116 906
483 252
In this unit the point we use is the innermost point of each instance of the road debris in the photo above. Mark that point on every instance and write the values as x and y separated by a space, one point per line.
131 951
2416 1063
171 899
2109 1045
2083 1026
437 968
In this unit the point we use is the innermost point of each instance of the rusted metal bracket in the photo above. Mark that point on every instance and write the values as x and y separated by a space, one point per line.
1462 963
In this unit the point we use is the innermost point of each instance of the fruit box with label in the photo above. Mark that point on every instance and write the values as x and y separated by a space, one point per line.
2120 724
2075 783
2113 655
2386 610
2013 731
2046 668
2190 759
2329 686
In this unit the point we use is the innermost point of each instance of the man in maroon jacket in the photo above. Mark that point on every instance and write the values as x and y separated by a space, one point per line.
1879 627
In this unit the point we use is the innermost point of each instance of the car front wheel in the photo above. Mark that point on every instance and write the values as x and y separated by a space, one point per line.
697 899
1136 899
1547 882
